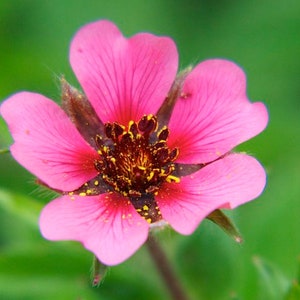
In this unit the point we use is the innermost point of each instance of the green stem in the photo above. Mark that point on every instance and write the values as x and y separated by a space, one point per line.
163 266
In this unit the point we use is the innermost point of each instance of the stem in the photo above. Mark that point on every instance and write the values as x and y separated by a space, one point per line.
163 266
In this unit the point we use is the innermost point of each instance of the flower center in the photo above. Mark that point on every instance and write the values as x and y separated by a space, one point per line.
136 161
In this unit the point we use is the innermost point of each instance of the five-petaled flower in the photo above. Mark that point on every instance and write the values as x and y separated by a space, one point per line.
139 146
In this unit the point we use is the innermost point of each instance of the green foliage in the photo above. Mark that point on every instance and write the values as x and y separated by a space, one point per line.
261 36
19 205
294 291
273 283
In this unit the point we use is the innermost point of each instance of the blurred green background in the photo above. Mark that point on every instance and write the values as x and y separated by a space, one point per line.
263 36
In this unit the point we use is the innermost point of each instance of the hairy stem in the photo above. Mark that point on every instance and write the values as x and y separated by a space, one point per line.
163 266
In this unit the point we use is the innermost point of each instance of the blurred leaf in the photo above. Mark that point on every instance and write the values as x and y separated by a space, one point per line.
21 205
5 138
37 276
294 292
206 260
272 281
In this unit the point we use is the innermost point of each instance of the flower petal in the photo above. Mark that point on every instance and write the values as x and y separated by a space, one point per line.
47 143
107 225
225 183
123 78
214 115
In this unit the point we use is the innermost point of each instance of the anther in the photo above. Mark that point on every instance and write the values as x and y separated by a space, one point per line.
163 134
147 124
108 130
133 128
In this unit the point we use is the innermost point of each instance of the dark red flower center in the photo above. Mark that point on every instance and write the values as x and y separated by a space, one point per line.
134 162
138 160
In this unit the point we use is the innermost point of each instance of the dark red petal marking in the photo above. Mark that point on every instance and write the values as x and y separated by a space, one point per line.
147 207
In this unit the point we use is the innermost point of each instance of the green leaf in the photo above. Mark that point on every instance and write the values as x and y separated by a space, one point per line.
273 282
294 291
20 205
45 273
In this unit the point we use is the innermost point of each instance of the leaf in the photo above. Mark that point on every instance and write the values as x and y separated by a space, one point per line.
20 205
273 282
294 291
42 273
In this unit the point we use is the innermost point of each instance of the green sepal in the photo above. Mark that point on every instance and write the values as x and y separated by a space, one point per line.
219 218
98 272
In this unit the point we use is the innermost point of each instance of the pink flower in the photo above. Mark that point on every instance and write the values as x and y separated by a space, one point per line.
141 146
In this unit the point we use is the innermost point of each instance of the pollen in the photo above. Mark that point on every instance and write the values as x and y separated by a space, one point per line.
134 161
172 178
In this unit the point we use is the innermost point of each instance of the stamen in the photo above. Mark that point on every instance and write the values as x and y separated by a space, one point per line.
134 163
163 134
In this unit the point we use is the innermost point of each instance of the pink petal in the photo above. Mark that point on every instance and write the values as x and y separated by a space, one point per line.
228 182
123 78
107 225
214 114
46 142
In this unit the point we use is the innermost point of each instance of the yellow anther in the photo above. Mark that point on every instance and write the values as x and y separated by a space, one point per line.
172 178
82 194
145 207
150 176
96 182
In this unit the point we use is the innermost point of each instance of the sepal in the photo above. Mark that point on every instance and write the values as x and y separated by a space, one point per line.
219 218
